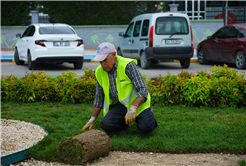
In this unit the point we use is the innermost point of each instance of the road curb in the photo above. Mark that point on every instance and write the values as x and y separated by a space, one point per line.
91 60
191 60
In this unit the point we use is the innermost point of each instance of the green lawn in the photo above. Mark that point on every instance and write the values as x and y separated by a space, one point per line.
180 129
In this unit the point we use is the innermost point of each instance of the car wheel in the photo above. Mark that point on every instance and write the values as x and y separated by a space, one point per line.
17 60
145 64
240 60
31 64
185 63
78 65
202 56
119 52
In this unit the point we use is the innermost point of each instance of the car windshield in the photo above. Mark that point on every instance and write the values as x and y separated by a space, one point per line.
171 26
55 30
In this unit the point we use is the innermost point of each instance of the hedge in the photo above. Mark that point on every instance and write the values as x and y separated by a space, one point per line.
96 12
222 87
15 13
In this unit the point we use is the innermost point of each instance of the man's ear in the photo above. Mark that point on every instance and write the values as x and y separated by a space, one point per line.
114 54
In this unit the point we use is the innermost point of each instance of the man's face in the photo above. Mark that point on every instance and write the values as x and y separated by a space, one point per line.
108 63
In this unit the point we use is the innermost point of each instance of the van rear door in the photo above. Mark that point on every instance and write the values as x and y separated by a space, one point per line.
172 31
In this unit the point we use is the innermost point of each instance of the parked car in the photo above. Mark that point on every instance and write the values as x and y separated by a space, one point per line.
48 43
228 44
158 37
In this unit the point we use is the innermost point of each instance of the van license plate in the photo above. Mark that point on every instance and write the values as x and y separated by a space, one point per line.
63 43
172 41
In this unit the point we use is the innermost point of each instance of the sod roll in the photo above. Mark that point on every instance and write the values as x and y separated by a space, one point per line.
84 147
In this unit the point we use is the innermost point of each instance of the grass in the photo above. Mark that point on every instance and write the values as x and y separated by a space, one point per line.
242 163
180 129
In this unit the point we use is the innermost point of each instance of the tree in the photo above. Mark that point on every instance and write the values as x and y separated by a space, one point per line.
96 12
15 13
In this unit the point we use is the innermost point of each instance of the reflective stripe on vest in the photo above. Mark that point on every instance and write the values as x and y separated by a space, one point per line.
127 100
105 105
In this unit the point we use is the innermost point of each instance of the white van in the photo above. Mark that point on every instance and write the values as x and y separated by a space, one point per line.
158 37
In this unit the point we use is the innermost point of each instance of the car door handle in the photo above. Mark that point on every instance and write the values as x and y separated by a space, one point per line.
132 41
234 41
219 41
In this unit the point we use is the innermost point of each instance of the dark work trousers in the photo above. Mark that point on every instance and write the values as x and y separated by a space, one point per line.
114 120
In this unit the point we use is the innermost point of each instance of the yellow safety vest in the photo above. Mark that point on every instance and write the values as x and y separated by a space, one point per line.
126 91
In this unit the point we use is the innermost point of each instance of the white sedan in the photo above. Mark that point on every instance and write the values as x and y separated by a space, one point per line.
49 43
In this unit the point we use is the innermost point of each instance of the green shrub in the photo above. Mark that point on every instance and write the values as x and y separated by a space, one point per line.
196 92
222 88
3 89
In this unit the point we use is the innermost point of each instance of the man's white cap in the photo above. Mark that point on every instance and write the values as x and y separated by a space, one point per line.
103 50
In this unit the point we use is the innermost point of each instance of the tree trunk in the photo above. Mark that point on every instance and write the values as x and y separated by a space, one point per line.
84 147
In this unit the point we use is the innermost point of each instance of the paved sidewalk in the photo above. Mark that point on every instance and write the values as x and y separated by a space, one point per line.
89 55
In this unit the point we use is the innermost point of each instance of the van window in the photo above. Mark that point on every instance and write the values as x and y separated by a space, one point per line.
137 29
129 30
170 25
145 28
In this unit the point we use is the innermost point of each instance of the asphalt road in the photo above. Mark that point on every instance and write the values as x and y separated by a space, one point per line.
8 68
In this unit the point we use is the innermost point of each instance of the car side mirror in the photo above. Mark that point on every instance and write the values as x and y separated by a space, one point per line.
210 38
18 35
121 34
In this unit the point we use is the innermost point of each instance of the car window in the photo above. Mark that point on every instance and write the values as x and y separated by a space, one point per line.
221 34
31 32
26 32
137 29
129 30
169 25
55 30
145 28
233 33
242 32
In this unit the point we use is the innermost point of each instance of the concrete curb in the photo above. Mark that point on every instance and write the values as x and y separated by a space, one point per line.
87 58
91 60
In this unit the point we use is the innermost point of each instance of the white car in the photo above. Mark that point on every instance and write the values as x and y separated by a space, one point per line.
49 43
156 37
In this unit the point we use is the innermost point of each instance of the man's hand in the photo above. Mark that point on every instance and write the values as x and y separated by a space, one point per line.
90 123
131 115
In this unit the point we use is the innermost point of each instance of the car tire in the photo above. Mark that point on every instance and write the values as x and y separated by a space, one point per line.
31 64
185 63
202 56
145 64
17 59
240 60
78 65
119 52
